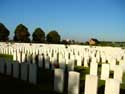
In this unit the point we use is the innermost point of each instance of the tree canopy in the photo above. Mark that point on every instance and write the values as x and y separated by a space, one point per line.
21 34
4 33
38 35
53 37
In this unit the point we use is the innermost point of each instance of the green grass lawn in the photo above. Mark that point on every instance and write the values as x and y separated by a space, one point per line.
5 56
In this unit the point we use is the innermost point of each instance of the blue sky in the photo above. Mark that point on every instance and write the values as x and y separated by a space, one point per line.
73 19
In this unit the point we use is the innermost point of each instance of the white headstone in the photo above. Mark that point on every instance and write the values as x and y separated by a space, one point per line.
86 61
29 58
91 84
58 80
105 71
79 61
40 60
33 58
23 57
16 69
15 56
19 56
71 65
53 62
2 65
103 59
33 73
118 73
47 62
62 63
24 71
93 68
112 64
73 82
112 86
9 67
122 64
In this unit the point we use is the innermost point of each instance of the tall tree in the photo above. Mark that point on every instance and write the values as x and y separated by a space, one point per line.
4 33
21 34
38 35
53 37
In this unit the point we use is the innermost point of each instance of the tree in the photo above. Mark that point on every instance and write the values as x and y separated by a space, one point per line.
38 35
21 34
53 37
4 33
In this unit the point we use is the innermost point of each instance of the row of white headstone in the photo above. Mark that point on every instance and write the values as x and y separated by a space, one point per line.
105 71
23 71
82 54
112 86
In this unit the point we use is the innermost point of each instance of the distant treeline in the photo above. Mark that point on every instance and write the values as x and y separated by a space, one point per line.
21 34
113 44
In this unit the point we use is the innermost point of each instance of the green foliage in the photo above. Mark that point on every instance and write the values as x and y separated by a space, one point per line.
38 35
64 42
21 34
4 33
6 56
53 37
83 71
112 44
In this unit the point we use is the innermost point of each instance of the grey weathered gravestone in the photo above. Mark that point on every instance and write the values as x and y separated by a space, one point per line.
9 67
2 65
24 71
91 84
73 82
33 73
105 71
112 86
58 80
16 69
